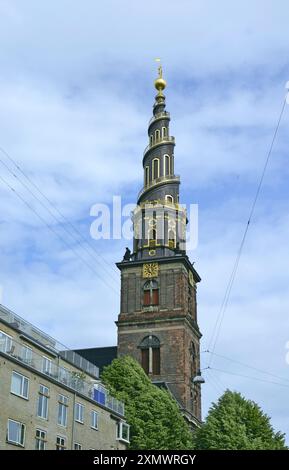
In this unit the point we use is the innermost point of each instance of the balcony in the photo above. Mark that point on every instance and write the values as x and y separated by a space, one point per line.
71 379
162 140
164 114
50 344
159 181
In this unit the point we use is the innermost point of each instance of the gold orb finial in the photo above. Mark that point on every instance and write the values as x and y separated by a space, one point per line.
160 83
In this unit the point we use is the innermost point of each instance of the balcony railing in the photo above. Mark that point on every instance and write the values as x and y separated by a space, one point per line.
71 379
161 140
50 343
157 181
164 114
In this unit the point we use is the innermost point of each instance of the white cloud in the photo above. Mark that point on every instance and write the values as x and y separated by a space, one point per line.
76 96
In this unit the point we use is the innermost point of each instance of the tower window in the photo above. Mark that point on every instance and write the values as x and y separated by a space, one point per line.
167 165
164 131
150 355
156 168
172 238
151 293
147 175
158 135
169 199
151 139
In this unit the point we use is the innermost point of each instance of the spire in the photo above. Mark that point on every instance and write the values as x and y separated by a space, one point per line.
160 85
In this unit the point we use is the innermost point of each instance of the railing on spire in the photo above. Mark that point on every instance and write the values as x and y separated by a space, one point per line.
161 140
164 114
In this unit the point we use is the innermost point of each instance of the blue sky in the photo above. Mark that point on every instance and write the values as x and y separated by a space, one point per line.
76 93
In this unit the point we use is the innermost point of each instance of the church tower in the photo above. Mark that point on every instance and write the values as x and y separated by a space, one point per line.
157 324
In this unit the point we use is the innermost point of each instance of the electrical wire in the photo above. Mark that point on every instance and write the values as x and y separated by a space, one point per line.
248 377
55 232
94 253
247 366
218 324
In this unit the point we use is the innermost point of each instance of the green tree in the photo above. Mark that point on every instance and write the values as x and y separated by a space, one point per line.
154 417
239 424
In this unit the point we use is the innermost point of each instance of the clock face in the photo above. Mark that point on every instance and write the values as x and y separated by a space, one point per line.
150 270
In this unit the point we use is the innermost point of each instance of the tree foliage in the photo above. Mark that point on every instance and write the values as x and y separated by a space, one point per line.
154 417
238 424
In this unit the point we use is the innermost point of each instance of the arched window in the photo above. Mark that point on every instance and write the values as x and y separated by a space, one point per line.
152 233
150 355
169 199
172 238
151 293
156 168
167 165
164 132
158 135
147 175
151 139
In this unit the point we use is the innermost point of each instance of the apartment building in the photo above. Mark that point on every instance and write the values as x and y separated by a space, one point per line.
50 397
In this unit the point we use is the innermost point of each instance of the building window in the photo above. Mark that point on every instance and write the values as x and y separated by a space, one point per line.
164 132
152 237
151 293
169 199
158 135
151 139
79 412
122 433
40 439
15 432
155 168
147 175
172 239
5 342
150 355
19 385
26 354
42 405
46 365
77 446
167 165
60 443
94 419
64 375
62 410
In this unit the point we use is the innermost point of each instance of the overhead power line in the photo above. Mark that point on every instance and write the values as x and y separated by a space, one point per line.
91 251
247 366
218 324
247 376
63 240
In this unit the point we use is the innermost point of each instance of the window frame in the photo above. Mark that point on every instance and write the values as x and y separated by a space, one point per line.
154 177
60 446
62 410
147 175
20 394
167 165
119 431
151 289
77 444
79 406
22 429
8 341
94 413
27 360
48 371
44 398
39 440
